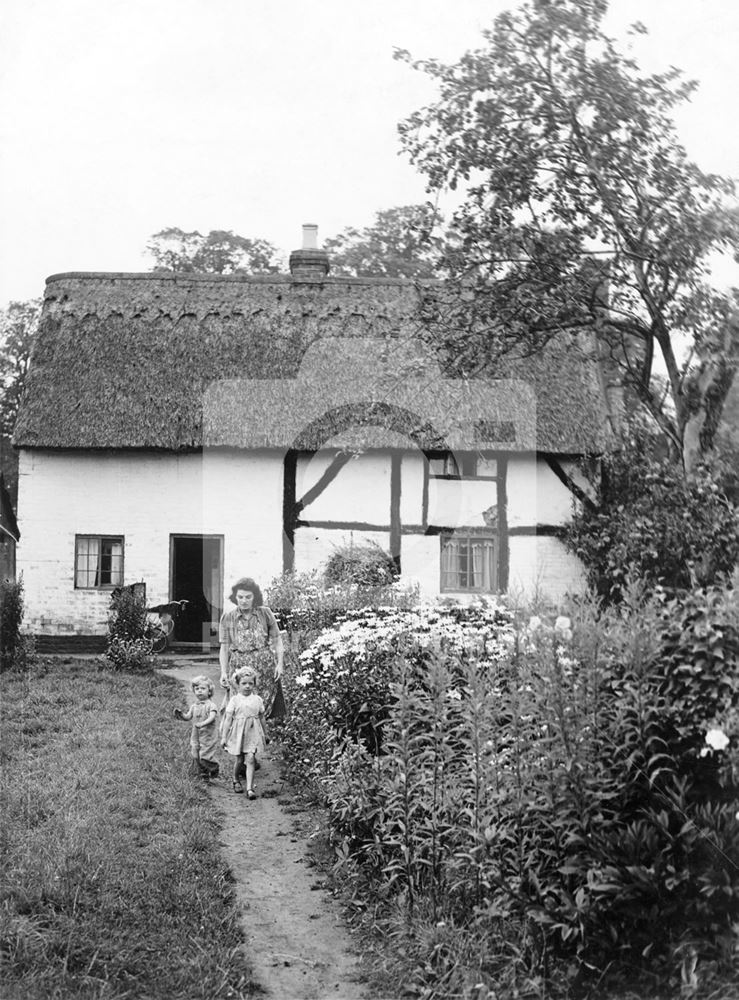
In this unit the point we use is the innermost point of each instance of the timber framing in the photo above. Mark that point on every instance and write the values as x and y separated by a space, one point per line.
289 517
554 463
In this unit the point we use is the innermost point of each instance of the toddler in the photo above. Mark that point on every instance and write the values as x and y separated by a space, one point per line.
204 734
243 730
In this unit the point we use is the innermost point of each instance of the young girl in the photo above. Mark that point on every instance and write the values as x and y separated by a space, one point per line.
203 735
243 729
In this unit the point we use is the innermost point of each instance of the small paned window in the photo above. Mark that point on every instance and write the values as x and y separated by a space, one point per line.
468 562
98 561
462 465
443 465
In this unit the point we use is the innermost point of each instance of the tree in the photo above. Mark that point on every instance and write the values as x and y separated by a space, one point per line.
580 209
398 245
18 323
651 522
219 252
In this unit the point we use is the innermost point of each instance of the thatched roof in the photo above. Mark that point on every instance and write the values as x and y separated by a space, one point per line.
179 362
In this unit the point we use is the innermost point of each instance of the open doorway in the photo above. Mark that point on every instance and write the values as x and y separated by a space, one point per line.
196 565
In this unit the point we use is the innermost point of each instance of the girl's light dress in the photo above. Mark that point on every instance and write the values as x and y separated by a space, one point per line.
241 729
205 740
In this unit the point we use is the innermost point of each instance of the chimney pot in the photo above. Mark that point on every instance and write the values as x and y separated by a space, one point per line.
309 263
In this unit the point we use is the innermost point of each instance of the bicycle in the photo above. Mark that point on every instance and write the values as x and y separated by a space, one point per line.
160 623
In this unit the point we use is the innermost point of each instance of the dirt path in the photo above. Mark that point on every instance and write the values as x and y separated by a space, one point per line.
296 940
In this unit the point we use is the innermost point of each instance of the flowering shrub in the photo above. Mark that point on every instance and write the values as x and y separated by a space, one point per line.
305 603
129 654
529 798
343 687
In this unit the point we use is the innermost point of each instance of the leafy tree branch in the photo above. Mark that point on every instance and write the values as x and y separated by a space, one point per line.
580 209
18 323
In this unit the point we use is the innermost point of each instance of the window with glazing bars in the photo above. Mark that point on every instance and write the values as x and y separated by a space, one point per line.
463 465
98 561
468 562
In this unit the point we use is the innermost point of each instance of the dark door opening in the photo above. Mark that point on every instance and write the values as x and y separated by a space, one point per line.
197 578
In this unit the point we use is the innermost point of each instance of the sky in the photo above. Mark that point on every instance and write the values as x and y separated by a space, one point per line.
123 117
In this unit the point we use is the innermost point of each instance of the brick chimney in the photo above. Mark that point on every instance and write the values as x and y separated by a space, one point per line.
309 262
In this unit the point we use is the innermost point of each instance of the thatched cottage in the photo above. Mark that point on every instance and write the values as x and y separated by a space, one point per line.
186 430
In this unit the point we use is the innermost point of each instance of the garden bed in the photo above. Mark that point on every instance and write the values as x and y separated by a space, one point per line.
539 806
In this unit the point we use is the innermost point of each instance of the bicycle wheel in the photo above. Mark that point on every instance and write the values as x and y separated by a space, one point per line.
158 639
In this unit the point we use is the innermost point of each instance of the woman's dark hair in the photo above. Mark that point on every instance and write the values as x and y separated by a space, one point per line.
246 583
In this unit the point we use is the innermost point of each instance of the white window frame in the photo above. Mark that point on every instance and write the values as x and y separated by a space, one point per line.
463 540
91 554
461 465
443 466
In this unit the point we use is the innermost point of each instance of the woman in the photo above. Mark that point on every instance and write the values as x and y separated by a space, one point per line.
250 637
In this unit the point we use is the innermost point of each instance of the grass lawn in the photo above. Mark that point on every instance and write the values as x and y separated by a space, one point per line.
111 882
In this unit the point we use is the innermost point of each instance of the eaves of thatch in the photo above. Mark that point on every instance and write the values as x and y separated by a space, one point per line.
181 362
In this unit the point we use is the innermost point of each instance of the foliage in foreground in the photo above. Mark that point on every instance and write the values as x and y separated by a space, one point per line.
344 684
129 647
14 646
304 603
550 814
650 520
112 885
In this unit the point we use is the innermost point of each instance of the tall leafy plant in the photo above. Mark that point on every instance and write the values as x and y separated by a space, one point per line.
129 647
649 520
545 800
13 649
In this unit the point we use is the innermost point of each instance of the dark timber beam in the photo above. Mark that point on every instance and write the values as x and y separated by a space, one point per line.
395 460
504 554
327 477
568 481
289 513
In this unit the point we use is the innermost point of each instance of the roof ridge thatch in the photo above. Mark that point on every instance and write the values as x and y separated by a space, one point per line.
242 278
134 360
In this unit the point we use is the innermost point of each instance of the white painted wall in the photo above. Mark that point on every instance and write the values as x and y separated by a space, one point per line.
360 492
412 468
535 494
242 492
147 497
420 560
456 503
541 566
144 497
